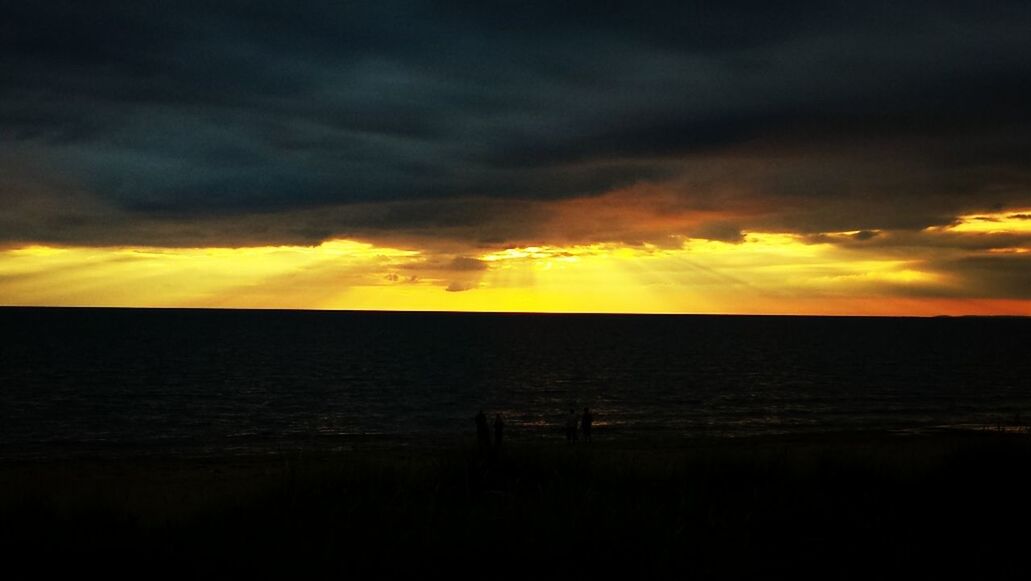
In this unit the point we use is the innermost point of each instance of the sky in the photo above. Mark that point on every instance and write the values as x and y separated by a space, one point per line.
854 158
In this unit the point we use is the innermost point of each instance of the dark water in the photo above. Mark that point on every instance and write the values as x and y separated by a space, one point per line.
75 380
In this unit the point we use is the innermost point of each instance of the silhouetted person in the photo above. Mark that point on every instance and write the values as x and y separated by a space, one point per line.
571 421
585 424
499 429
482 431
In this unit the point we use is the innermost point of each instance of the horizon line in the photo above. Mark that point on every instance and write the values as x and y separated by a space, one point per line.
490 312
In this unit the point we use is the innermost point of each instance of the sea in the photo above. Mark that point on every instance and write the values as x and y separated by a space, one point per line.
116 382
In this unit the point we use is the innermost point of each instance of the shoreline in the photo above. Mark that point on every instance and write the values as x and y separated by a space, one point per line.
441 442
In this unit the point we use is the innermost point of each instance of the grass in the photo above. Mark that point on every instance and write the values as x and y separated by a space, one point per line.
844 506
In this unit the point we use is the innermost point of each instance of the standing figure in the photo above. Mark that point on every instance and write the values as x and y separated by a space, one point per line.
571 421
499 428
585 424
482 431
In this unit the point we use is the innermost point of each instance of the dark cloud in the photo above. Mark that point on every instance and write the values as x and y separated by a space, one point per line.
1003 275
920 243
459 286
718 231
443 264
466 263
462 123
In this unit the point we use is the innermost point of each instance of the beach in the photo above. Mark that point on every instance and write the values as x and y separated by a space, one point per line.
845 504
515 290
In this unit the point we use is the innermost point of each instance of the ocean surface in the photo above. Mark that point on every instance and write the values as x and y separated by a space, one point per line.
154 381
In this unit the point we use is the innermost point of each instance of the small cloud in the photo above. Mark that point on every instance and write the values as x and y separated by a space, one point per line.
458 263
720 231
467 263
1019 216
458 286
865 235
394 277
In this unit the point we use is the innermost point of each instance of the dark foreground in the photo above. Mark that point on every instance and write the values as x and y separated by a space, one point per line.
847 505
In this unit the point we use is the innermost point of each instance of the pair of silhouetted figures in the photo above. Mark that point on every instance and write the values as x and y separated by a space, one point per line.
585 421
483 430
574 426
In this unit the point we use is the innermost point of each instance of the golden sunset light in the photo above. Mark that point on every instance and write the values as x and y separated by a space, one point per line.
412 288
765 272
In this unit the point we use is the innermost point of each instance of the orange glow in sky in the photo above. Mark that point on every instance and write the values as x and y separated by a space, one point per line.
766 273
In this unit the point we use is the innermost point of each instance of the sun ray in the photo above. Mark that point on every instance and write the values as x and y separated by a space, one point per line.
764 272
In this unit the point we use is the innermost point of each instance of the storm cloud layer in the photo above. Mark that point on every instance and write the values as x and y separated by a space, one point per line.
464 125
